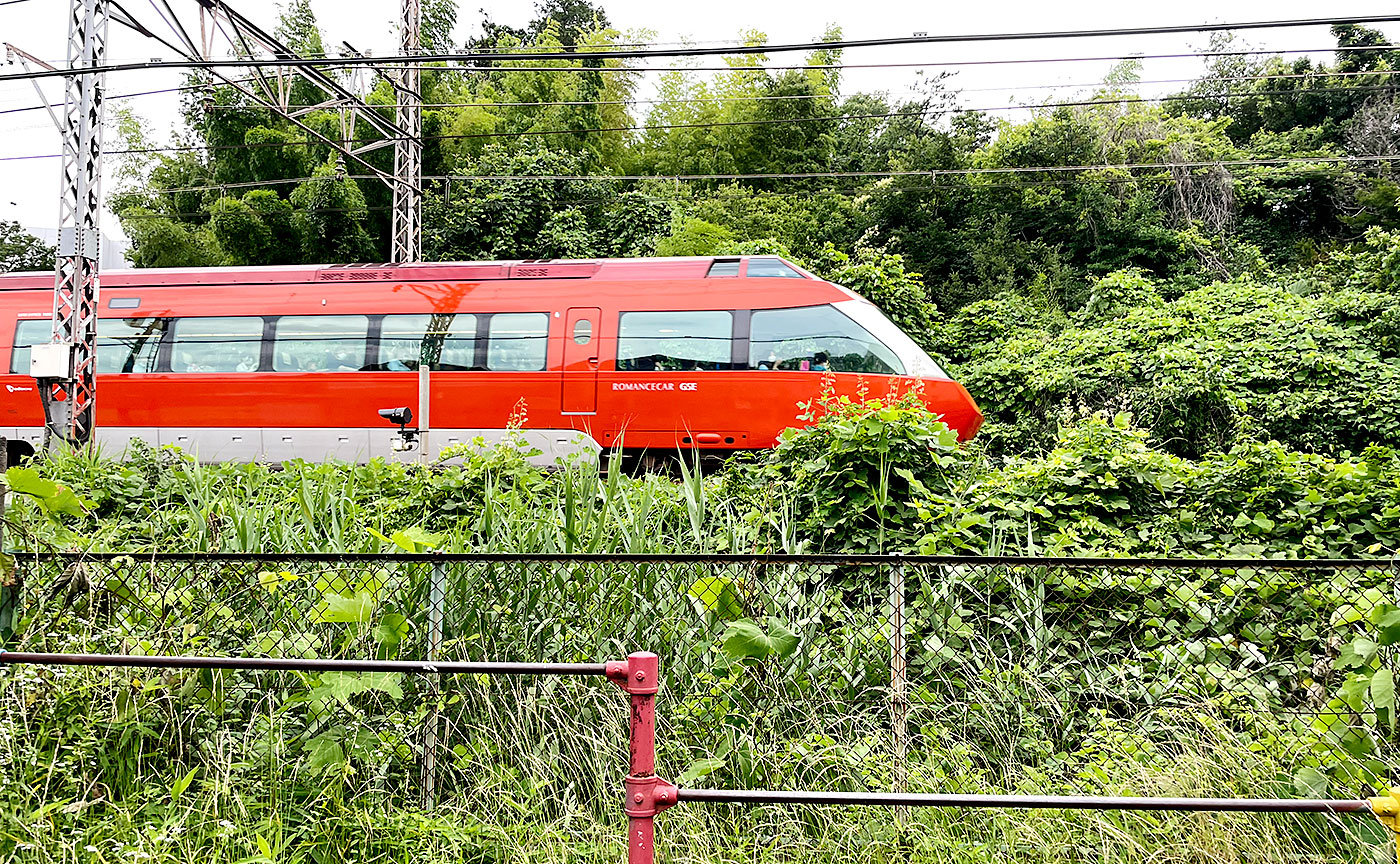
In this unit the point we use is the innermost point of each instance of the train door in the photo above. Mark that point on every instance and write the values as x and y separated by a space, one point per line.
580 394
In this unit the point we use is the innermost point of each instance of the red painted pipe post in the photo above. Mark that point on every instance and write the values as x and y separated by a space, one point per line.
647 794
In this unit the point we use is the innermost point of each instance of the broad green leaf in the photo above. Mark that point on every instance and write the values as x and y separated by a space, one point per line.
1384 615
1353 690
324 753
1310 782
699 768
65 502
1387 627
26 481
783 640
1360 608
339 609
717 595
414 539
745 640
1383 690
1358 652
342 685
417 539
915 485
263 846
393 628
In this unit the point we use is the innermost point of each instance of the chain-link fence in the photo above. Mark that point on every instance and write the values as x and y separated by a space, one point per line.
814 671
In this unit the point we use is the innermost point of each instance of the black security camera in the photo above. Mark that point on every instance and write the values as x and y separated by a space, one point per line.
400 416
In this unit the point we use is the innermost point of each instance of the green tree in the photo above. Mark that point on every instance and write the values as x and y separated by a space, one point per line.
570 19
437 20
158 241
259 228
20 250
333 212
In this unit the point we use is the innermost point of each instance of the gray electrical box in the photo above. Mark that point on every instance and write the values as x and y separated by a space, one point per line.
52 360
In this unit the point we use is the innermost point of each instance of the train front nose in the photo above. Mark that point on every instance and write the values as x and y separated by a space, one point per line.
951 399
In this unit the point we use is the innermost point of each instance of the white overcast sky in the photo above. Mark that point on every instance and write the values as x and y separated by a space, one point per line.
29 189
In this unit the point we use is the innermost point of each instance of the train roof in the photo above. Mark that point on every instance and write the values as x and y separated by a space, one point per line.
611 269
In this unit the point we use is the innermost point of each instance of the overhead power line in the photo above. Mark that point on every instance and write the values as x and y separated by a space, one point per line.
815 96
643 54
788 97
933 173
935 64
923 64
834 118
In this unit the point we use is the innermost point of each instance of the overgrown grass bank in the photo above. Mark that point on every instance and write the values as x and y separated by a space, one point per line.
114 767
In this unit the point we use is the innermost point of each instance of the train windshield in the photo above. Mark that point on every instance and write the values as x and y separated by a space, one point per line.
916 361
817 339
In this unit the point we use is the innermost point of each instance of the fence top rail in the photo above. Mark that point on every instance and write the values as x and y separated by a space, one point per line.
716 558
300 664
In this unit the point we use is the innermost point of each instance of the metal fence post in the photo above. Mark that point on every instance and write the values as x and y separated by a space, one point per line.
647 794
899 696
437 595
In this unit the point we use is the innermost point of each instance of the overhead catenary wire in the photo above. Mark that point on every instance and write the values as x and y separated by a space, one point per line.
919 64
833 118
950 92
837 66
642 54
759 98
1312 164
156 92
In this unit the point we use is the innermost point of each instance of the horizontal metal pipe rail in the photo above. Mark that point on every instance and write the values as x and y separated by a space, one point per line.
828 559
1036 802
296 664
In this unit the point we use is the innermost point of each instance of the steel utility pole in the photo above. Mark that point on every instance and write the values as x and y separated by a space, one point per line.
66 368
407 241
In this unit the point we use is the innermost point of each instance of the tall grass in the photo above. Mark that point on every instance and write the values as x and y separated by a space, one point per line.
536 784
94 760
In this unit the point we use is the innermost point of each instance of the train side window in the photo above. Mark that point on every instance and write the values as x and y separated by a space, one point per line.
444 342
674 341
816 339
35 331
129 344
517 341
216 345
320 343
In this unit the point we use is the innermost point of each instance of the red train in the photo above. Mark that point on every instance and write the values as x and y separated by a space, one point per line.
284 362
